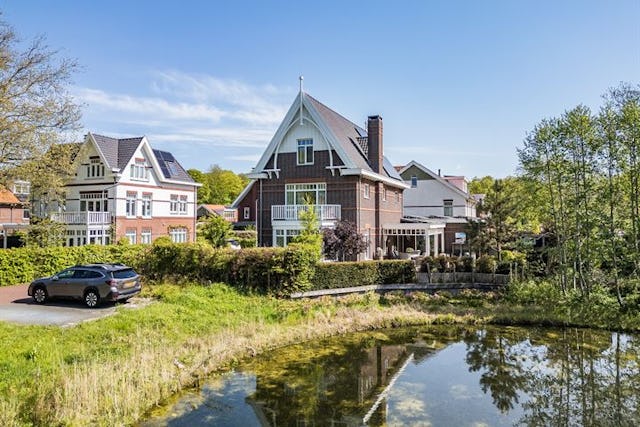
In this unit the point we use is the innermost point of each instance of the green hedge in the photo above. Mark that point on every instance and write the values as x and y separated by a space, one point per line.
345 274
277 271
22 265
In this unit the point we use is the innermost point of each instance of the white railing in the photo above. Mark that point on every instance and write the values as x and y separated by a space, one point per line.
292 212
82 218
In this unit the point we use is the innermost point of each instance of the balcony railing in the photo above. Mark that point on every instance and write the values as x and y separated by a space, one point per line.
82 218
292 212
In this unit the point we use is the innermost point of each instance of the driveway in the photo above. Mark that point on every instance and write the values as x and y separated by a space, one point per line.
17 307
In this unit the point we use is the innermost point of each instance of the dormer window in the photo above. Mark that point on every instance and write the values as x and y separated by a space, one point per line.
140 170
305 151
95 168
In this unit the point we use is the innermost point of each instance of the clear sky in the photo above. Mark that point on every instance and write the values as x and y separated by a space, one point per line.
458 83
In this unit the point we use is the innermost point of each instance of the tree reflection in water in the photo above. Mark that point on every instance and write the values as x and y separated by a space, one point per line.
530 376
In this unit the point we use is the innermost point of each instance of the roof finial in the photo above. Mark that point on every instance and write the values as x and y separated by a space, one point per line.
301 95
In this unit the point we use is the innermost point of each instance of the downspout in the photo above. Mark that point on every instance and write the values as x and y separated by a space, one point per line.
259 212
195 211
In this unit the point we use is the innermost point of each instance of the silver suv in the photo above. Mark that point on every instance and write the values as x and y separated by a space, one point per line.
92 283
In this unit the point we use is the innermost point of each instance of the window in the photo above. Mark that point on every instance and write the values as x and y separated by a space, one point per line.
93 201
146 205
384 194
283 237
145 236
139 170
305 151
130 234
178 235
298 194
366 191
173 204
247 212
414 181
21 187
26 214
95 168
131 203
183 205
448 207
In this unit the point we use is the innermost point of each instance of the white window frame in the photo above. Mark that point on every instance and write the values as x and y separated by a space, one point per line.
139 170
318 189
179 235
304 155
131 202
367 191
384 194
447 207
95 168
145 236
282 236
182 205
145 205
414 181
173 204
131 235
247 212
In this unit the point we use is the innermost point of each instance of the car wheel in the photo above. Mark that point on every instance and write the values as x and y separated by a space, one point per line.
40 295
91 298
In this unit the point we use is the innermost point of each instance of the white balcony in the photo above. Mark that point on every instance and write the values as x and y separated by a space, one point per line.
83 218
292 212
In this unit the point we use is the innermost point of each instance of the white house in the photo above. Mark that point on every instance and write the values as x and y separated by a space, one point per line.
433 195
124 188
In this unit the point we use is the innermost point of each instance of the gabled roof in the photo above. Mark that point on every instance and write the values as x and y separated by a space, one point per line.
8 198
352 138
346 138
117 154
436 177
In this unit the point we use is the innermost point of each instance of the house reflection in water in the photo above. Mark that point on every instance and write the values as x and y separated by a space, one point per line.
347 389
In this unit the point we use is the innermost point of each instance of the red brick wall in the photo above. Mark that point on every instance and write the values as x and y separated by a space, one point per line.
12 215
159 226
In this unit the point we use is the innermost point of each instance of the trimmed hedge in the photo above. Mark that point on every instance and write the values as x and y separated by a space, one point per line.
346 274
22 265
276 271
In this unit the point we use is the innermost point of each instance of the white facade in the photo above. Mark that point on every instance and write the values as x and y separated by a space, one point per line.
431 195
136 199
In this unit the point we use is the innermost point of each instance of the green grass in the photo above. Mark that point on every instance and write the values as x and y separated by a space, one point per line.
111 371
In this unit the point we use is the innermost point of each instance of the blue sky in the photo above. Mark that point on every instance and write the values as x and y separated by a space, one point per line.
458 83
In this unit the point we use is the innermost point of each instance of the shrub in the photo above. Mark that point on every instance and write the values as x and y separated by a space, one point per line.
246 238
362 273
486 264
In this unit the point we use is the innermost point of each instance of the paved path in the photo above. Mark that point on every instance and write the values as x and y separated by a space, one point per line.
18 307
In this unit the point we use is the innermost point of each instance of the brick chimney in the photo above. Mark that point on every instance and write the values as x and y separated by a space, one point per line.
374 141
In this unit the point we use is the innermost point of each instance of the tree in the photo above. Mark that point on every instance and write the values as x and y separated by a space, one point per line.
215 230
36 109
219 186
343 241
310 233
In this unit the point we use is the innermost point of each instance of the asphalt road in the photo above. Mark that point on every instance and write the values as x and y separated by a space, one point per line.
17 307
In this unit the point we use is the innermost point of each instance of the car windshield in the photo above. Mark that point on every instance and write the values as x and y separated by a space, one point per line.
124 274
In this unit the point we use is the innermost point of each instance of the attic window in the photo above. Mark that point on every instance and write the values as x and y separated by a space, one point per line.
414 181
139 170
95 168
305 151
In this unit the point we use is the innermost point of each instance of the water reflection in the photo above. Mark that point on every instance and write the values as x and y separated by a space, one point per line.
435 376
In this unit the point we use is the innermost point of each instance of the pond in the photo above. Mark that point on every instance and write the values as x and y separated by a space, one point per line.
452 376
